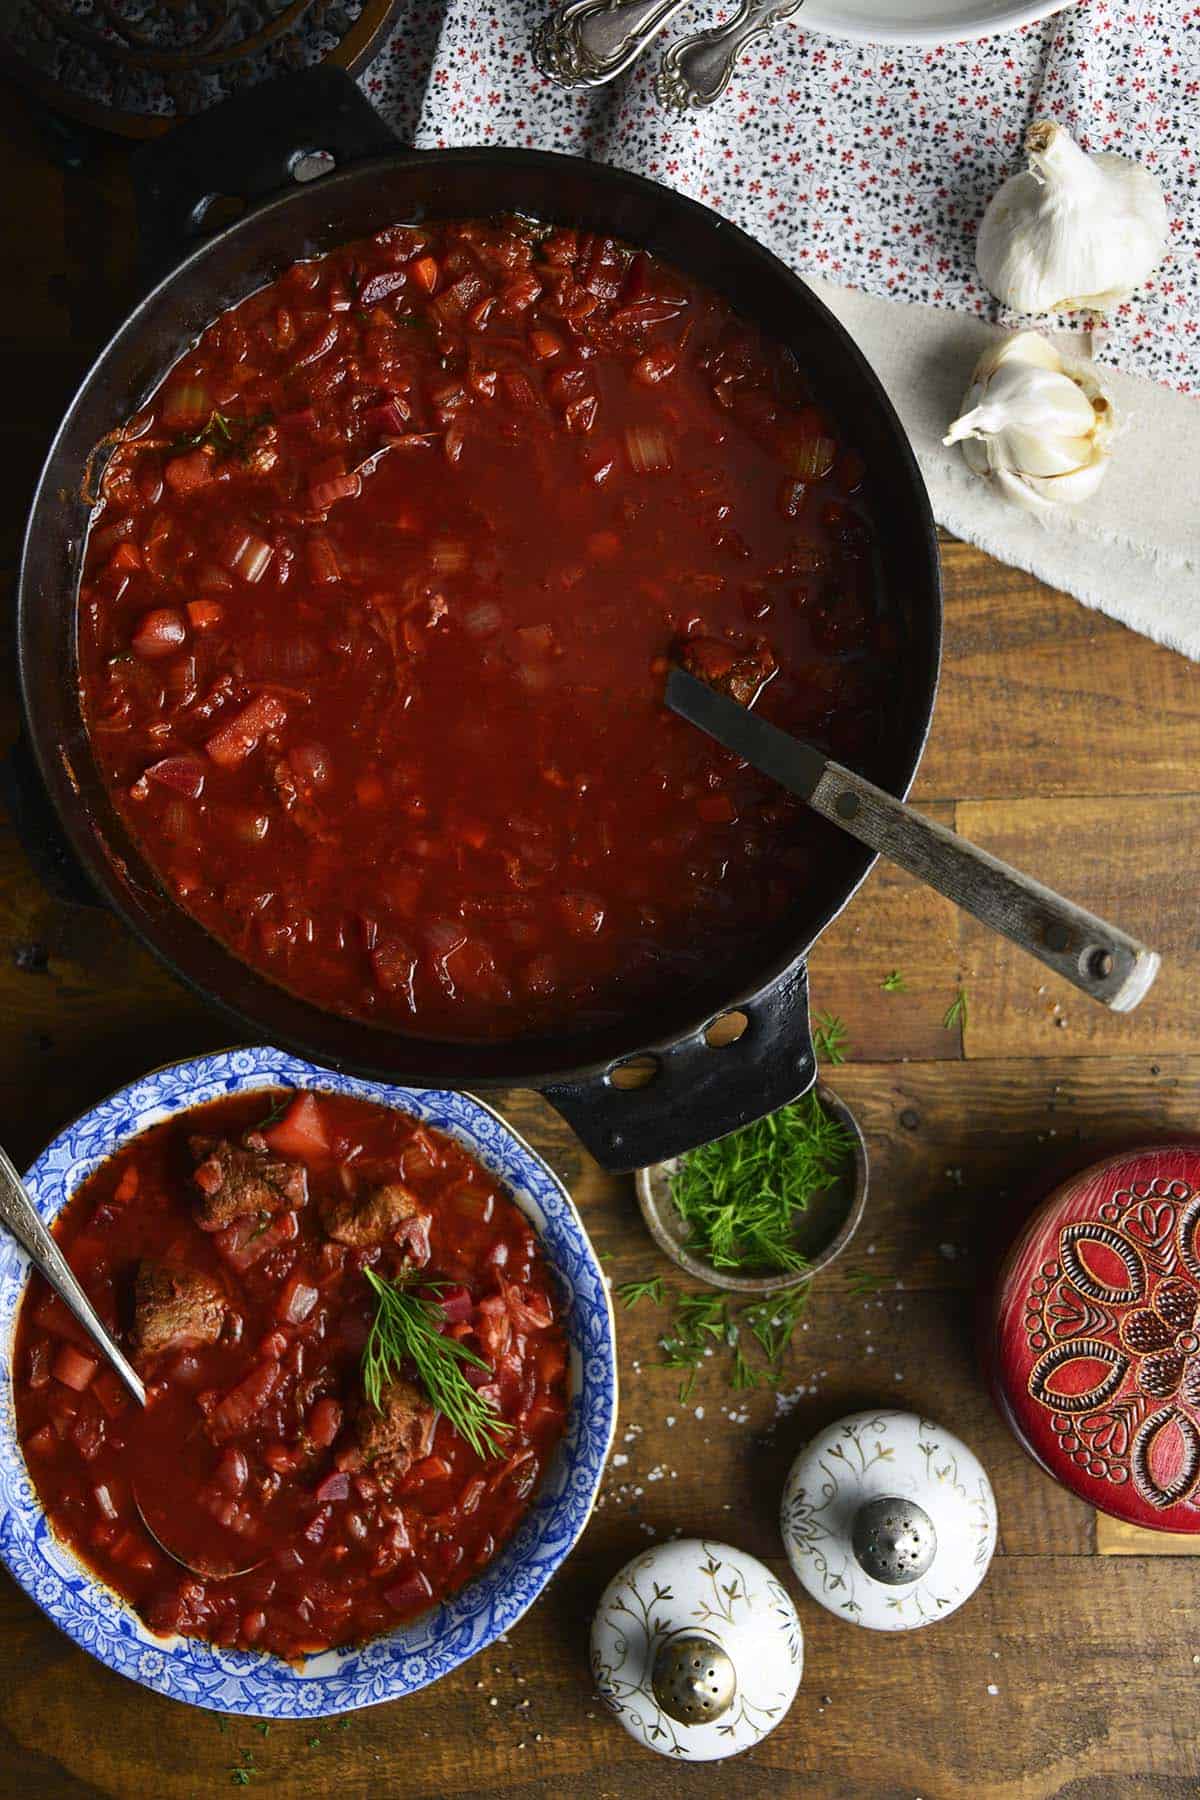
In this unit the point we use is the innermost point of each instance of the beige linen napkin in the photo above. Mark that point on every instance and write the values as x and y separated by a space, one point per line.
1133 550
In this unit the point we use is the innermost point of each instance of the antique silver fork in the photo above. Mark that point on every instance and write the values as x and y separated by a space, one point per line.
696 70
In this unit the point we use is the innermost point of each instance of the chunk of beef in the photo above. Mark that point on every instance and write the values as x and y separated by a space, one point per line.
730 669
231 1181
400 1433
388 1214
175 1308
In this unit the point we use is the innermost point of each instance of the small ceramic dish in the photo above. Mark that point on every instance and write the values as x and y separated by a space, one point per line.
427 1647
827 1226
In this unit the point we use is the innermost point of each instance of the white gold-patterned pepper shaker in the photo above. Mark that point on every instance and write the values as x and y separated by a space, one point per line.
697 1649
889 1520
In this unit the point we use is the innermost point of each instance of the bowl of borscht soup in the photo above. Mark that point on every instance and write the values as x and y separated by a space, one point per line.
381 1385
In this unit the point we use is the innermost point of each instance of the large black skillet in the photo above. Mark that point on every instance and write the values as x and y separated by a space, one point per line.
248 149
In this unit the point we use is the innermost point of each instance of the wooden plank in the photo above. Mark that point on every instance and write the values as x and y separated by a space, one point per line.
1114 1537
1043 696
1096 1700
894 923
1128 863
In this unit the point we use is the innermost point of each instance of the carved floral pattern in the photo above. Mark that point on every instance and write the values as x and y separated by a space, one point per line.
1114 1323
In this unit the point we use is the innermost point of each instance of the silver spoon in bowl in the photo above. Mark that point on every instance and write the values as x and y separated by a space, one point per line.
20 1216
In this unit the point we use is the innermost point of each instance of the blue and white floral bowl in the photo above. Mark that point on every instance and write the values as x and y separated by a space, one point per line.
411 1656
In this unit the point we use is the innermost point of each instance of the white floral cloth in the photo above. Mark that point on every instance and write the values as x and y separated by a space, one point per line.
868 165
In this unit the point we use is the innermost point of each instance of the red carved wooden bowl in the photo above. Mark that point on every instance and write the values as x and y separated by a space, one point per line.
1092 1346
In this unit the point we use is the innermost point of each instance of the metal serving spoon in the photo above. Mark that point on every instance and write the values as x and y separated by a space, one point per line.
1100 960
19 1215
696 70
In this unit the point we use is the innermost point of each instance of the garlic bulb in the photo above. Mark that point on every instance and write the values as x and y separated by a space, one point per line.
1072 230
1036 424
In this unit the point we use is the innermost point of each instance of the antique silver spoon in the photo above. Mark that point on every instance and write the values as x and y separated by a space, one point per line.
18 1213
696 70
590 42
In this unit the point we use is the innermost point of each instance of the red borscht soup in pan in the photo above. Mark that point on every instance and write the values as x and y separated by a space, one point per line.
380 596
249 1255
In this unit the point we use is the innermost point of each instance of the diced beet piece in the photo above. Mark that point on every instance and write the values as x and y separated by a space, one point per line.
247 1241
334 1487
456 1303
73 1368
301 1133
410 1593
324 1422
243 1403
159 632
238 737
182 774
184 474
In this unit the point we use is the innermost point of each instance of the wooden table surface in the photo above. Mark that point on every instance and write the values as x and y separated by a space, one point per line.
1063 743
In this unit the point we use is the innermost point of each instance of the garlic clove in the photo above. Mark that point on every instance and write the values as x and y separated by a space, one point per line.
1073 229
1034 423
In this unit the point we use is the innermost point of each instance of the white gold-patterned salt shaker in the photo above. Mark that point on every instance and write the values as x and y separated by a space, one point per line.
889 1520
697 1649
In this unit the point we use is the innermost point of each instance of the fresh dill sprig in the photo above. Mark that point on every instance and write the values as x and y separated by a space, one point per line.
407 1325
829 1038
862 1281
630 1292
893 982
771 1323
740 1196
956 1012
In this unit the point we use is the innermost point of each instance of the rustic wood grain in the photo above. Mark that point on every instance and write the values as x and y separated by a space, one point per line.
1049 719
1049 698
1130 863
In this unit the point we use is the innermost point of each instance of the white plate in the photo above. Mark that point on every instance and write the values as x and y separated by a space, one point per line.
921 21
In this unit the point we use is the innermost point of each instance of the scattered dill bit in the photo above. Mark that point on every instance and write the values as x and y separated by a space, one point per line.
862 1281
276 1113
740 1195
772 1321
956 1012
697 1319
230 436
343 1725
245 1766
630 1292
313 1742
893 982
408 1326
829 1038
264 1725
701 1322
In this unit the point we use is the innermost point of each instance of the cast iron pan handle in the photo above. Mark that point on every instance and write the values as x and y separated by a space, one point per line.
201 174
38 830
701 1091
